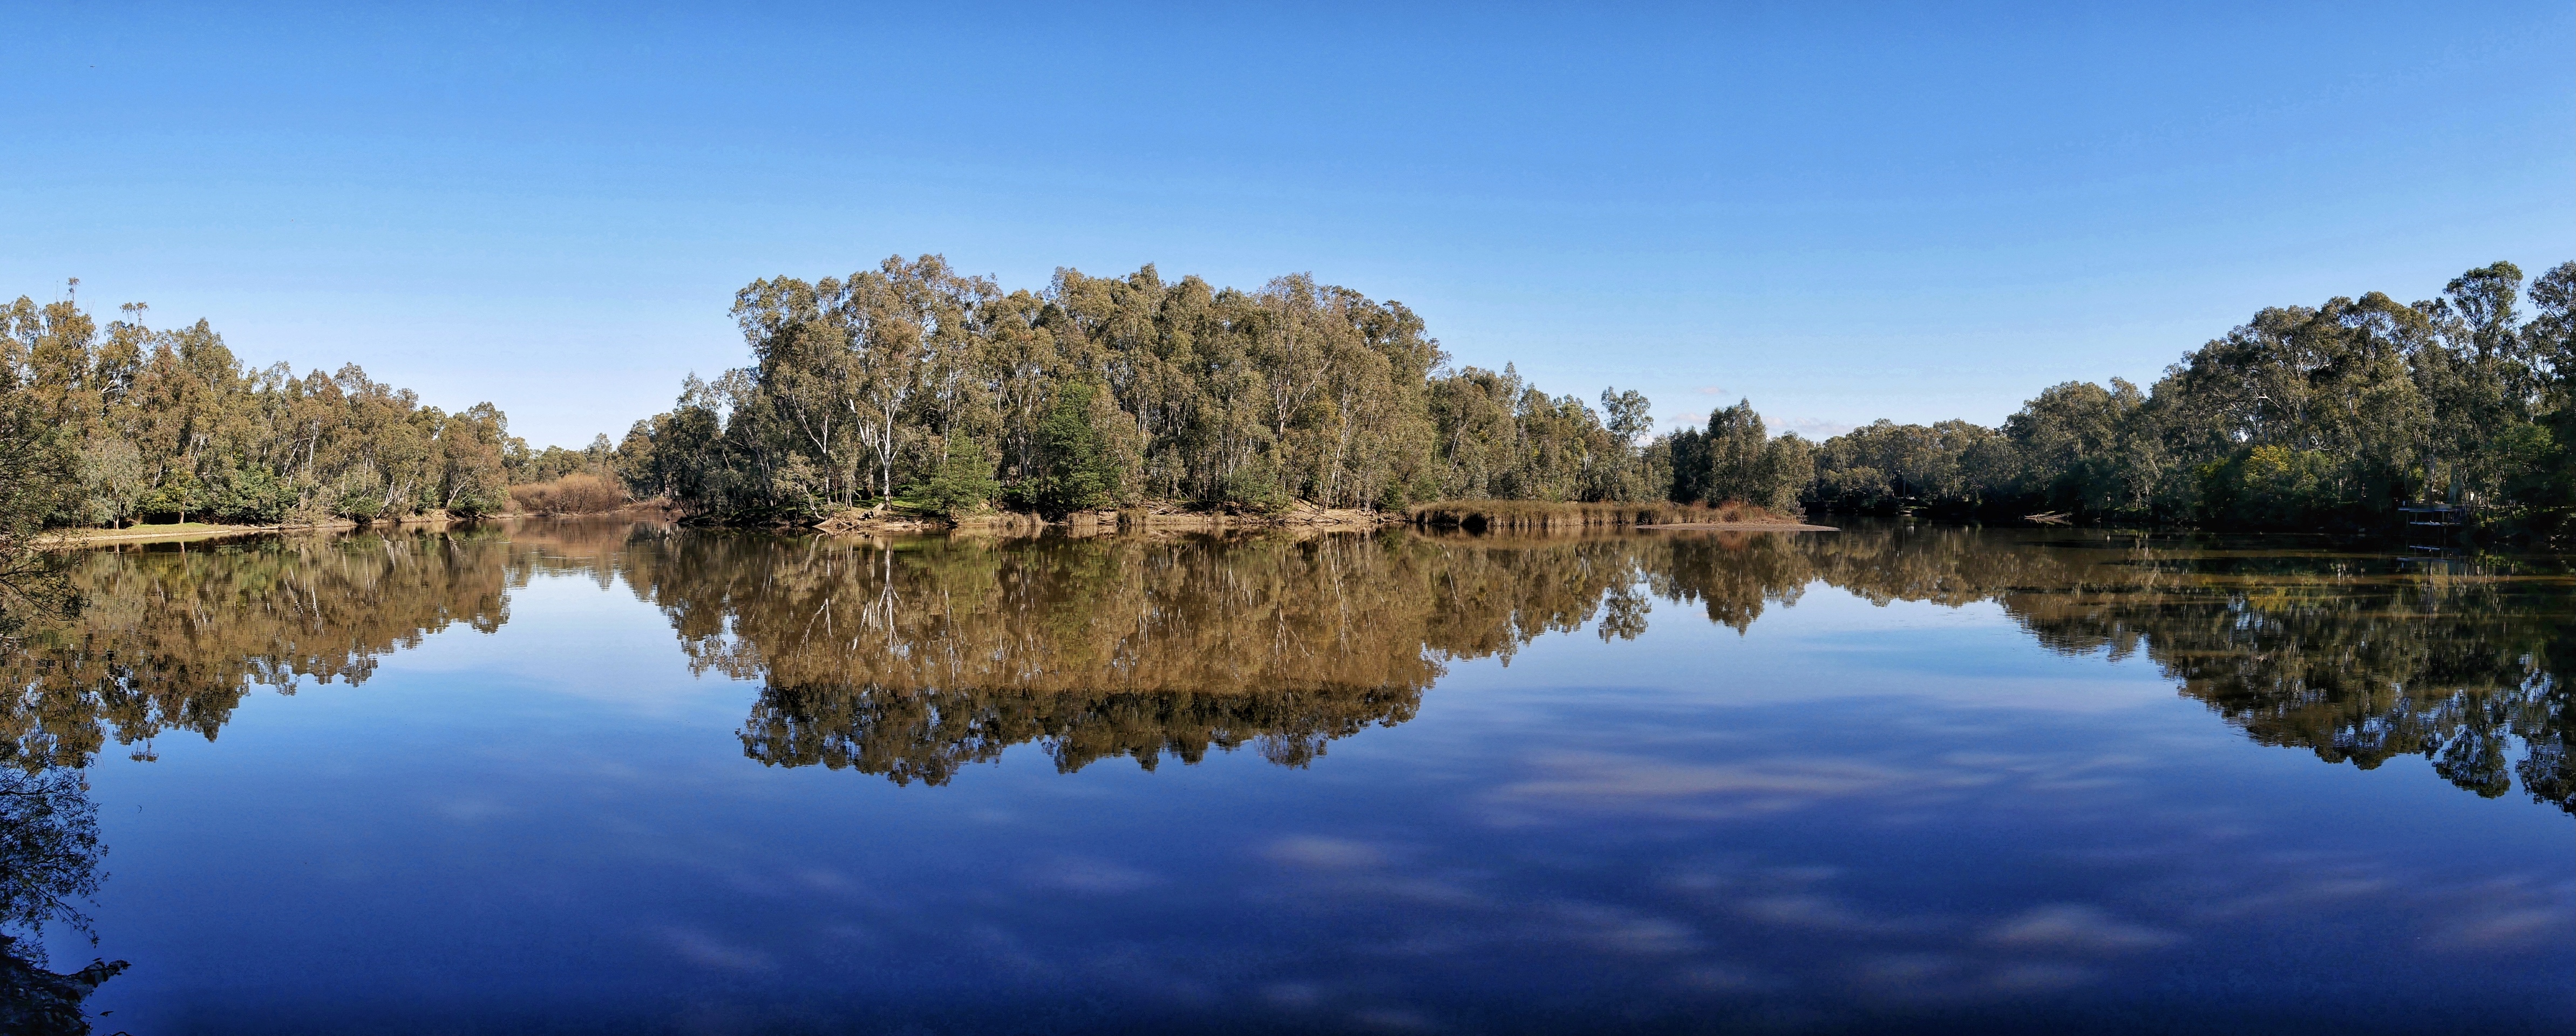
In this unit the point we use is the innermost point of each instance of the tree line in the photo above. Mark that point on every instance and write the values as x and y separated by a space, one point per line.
2329 416
912 382
106 425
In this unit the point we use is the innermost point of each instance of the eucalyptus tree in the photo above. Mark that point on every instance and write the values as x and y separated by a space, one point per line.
37 481
809 370
910 377
168 422
2324 416
2078 446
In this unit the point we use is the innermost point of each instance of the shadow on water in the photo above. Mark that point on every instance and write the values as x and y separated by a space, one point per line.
914 658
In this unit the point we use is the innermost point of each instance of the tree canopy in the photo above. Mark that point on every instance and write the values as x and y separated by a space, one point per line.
2302 418
143 422
911 380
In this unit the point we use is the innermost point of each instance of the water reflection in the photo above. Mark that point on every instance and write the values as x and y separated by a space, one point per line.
172 638
914 659
911 659
49 854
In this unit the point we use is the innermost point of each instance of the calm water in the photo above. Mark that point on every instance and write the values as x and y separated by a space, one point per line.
633 779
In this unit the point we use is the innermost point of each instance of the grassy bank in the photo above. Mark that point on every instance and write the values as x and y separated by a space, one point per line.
1476 515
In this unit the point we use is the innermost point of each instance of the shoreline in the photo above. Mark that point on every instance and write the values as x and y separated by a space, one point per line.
191 532
1154 518
1741 526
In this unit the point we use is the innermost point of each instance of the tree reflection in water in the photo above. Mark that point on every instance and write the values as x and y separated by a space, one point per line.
913 658
49 854
172 638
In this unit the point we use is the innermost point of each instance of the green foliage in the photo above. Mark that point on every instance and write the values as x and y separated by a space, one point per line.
169 424
1885 466
251 496
179 493
2308 418
477 502
1500 438
1736 460
114 480
554 462
962 484
2078 447
1104 390
38 480
358 495
1255 483
1080 469
2272 487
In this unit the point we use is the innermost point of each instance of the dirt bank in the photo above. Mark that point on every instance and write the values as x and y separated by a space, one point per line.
1743 526
190 532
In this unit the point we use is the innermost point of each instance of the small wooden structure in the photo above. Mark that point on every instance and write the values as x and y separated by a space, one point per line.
2439 523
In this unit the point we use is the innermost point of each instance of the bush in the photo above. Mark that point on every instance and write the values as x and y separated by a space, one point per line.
2273 487
478 502
571 494
963 483
250 496
1081 466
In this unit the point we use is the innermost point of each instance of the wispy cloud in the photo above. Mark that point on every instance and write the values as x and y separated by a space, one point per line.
1809 427
1325 853
1092 876
2074 926
1606 781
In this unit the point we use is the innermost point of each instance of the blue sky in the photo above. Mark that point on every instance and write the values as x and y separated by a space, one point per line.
1842 212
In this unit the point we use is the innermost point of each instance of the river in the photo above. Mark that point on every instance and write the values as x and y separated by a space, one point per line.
611 777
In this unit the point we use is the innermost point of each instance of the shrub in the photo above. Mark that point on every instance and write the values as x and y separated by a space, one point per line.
2272 487
251 496
963 482
571 494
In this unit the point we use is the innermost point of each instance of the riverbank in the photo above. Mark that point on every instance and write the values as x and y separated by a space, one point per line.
1160 516
1466 515
1157 516
191 532
1484 515
1782 526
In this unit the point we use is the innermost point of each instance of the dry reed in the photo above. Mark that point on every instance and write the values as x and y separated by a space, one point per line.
571 494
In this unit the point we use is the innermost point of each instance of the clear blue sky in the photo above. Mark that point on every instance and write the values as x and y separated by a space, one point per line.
1842 212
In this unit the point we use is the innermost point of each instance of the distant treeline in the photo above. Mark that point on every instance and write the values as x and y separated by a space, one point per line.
914 383
910 381
2303 418
127 422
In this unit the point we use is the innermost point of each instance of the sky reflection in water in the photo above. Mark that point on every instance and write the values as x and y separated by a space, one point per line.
594 777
